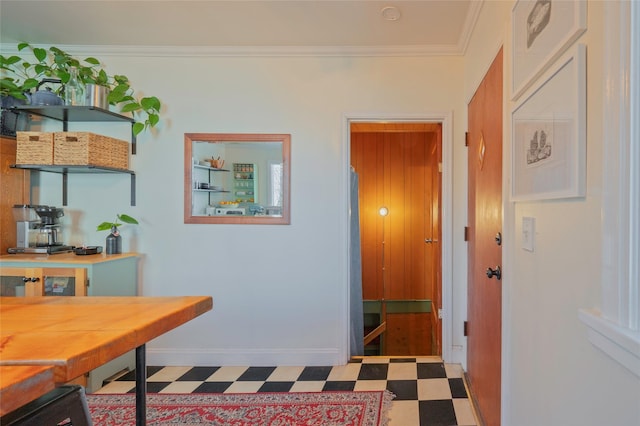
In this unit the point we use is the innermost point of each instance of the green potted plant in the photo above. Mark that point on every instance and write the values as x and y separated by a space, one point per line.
20 75
114 240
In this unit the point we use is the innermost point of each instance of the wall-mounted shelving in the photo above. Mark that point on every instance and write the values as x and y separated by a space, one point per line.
67 114
65 170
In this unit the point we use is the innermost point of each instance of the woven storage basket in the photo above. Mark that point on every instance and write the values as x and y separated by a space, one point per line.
90 149
34 148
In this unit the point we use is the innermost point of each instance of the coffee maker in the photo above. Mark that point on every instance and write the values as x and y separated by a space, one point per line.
38 230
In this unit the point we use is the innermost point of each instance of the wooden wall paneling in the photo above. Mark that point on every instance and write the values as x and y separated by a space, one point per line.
395 250
428 220
381 172
14 189
413 259
364 158
394 127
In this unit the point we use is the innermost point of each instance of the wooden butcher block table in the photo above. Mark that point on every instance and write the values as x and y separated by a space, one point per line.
77 334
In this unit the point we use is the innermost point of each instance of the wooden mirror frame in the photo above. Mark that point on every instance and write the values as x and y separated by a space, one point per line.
189 138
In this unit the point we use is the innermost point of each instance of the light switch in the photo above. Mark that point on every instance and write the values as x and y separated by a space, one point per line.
528 233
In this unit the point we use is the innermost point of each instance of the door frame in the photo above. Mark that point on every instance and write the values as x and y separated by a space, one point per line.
446 216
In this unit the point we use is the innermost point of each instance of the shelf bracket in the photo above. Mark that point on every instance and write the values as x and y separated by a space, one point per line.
133 189
64 188
133 142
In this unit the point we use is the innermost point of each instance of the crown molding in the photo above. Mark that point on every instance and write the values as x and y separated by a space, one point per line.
469 25
256 51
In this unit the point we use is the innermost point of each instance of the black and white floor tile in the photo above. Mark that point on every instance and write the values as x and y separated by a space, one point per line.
427 391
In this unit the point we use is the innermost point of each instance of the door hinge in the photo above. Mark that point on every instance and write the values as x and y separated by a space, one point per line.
466 138
440 313
88 282
466 233
465 329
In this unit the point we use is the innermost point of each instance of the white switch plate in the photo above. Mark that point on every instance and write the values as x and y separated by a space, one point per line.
528 233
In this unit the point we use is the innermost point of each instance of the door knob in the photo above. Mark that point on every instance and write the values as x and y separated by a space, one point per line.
494 273
428 240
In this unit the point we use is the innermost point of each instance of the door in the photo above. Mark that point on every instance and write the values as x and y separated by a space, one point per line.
484 309
16 281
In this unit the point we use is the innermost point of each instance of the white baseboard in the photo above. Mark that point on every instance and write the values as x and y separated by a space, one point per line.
243 357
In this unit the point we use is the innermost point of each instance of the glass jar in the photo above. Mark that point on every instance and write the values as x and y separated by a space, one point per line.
74 89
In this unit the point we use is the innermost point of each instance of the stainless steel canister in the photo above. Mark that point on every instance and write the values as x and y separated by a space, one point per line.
97 96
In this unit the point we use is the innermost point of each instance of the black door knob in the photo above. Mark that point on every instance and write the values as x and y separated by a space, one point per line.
494 273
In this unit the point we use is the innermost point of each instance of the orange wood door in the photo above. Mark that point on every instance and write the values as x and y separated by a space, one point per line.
395 170
485 222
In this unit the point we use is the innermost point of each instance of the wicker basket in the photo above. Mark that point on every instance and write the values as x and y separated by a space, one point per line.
90 149
34 148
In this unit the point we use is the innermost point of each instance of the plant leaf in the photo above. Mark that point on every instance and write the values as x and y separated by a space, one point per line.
104 226
153 119
133 106
127 219
39 53
30 83
138 128
150 103
10 60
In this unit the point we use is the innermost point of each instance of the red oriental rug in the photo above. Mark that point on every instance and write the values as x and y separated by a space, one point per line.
366 408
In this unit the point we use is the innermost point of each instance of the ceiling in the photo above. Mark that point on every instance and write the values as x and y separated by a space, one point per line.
428 27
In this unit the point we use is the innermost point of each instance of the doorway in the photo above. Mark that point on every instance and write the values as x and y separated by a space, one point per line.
399 168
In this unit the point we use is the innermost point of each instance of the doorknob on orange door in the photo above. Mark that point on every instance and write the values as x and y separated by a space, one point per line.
494 273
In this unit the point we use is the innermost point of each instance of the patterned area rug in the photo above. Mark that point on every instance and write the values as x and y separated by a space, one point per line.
246 409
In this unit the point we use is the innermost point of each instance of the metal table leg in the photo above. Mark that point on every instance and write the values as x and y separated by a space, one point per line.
141 386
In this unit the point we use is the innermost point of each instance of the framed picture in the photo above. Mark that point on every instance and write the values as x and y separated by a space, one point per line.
548 152
541 31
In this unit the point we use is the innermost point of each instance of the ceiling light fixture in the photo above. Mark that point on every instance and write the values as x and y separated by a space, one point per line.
390 13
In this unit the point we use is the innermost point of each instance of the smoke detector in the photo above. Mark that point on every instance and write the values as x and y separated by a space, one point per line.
390 13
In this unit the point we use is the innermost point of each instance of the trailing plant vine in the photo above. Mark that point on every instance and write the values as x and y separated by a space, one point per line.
20 74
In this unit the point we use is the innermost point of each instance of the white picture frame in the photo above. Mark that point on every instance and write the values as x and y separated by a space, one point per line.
548 127
542 30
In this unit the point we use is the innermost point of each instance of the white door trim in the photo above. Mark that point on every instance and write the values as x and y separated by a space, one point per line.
446 119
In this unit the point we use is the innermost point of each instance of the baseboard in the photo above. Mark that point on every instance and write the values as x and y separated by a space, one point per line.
244 357
474 401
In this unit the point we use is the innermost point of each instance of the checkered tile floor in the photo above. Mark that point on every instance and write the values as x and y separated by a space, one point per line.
427 391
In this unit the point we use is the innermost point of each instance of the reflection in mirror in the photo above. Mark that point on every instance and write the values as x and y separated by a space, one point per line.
236 178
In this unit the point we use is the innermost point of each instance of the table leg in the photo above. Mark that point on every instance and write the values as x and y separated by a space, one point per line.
141 386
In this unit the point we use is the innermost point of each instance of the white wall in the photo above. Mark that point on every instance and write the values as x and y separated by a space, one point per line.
552 375
279 292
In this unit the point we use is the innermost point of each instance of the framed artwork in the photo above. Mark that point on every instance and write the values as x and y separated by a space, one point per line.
548 153
542 30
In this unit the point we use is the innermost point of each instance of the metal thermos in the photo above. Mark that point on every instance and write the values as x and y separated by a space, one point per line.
97 96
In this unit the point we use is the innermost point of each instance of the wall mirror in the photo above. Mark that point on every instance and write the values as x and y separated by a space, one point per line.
236 178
